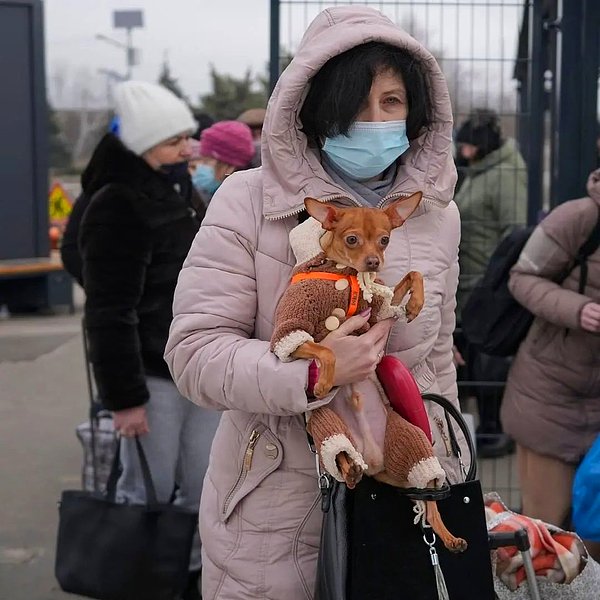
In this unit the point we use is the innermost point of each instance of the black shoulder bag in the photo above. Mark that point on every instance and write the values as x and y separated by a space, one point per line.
112 551
372 550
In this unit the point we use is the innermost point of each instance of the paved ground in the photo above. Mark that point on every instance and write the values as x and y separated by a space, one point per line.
42 399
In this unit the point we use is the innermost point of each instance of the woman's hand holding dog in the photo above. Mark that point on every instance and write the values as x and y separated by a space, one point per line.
357 357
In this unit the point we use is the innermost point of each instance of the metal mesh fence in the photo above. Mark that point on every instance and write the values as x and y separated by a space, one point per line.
475 42
477 45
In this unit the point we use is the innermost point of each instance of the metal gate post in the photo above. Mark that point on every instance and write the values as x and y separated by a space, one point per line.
534 152
40 140
274 44
576 87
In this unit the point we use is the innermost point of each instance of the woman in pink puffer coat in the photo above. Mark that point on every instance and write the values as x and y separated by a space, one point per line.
259 517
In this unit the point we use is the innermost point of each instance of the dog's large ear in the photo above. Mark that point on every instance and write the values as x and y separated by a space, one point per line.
401 209
326 214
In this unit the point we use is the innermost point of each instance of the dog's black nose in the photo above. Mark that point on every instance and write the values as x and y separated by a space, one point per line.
372 263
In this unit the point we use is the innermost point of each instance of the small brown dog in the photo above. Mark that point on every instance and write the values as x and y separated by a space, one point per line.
357 432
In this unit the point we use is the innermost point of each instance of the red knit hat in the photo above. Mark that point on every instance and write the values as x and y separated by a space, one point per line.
229 142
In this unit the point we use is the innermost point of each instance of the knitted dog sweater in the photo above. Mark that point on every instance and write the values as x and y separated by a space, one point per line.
311 308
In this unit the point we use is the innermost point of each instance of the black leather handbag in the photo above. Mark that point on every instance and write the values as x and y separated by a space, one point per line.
113 551
372 550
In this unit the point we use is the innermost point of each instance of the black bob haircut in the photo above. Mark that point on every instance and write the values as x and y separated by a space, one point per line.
341 87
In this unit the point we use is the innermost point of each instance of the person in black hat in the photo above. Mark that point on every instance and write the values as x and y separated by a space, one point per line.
492 200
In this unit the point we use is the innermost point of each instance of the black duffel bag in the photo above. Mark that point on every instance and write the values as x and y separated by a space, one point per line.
114 551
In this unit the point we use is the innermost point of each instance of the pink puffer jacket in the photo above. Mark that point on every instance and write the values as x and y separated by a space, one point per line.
259 516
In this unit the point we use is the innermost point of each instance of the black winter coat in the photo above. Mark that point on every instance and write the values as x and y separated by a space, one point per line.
69 244
133 238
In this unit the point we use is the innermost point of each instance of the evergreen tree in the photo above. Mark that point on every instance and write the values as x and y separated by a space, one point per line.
167 80
231 96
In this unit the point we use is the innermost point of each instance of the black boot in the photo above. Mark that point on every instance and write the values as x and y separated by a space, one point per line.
192 590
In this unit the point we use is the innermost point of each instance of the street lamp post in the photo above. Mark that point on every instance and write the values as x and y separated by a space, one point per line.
122 46
128 20
111 77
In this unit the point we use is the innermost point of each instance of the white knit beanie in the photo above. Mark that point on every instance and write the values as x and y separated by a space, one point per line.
150 114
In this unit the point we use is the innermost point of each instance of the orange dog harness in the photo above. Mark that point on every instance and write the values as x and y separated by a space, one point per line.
351 279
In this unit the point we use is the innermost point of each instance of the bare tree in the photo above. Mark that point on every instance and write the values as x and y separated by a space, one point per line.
59 80
87 119
91 121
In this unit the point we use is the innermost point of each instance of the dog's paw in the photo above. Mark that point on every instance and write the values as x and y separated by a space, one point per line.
351 472
353 476
321 389
413 308
457 545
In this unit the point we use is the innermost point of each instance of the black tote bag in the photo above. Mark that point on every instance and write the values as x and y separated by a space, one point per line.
371 549
113 551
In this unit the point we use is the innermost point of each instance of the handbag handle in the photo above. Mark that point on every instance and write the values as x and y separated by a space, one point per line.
111 486
451 411
92 415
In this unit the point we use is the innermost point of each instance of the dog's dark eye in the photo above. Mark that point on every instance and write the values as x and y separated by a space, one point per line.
385 240
351 240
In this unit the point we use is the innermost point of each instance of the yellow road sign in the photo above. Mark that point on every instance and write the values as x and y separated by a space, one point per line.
59 203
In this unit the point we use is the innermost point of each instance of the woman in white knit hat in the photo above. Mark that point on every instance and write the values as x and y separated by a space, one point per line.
133 238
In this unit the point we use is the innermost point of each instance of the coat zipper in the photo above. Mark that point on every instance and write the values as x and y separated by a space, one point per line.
246 464
355 202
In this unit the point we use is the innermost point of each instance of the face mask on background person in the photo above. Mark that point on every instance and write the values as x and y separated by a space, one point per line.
175 172
368 149
204 179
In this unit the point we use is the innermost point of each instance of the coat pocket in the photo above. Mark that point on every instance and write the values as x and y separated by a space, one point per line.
260 455
306 547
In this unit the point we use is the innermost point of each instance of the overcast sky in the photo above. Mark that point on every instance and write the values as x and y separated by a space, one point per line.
234 35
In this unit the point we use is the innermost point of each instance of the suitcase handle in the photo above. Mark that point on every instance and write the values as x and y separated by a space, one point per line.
501 539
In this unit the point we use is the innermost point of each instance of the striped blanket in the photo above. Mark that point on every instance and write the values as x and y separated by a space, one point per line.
557 555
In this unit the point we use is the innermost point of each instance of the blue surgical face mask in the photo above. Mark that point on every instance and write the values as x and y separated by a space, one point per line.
204 179
368 149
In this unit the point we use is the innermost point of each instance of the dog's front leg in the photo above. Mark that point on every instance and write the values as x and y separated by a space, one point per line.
411 283
326 360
